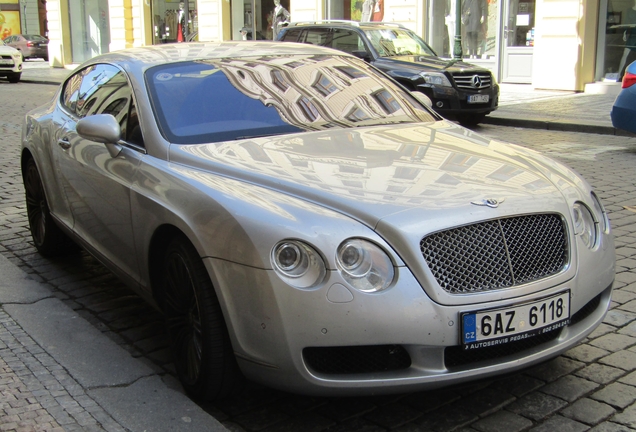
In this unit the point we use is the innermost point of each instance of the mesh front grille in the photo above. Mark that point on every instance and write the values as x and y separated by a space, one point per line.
497 254
467 81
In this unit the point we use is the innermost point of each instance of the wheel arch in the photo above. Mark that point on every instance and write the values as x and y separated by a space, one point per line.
159 241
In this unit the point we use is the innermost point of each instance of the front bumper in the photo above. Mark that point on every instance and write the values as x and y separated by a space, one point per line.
450 101
272 324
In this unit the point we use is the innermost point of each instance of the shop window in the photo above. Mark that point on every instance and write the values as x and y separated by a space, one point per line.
90 28
617 46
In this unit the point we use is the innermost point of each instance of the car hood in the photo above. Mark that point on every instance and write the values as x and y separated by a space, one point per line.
4 49
372 173
429 63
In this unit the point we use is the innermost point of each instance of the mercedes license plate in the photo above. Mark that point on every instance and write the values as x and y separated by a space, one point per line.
492 327
478 98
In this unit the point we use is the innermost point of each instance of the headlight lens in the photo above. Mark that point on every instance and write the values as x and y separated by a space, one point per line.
584 225
298 264
436 78
364 265
598 206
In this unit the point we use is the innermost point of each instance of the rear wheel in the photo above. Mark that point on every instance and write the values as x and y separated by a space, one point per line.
200 343
48 238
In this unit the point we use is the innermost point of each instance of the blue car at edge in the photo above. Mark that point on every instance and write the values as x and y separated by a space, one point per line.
623 112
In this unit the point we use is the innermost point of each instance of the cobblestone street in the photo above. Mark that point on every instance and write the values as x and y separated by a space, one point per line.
591 387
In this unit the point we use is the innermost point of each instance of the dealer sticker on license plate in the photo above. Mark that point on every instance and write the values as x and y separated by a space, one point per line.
486 328
478 98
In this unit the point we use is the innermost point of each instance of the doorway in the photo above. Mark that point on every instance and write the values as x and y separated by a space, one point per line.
518 41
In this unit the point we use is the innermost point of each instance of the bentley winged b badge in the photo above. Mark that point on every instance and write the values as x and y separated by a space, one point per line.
489 202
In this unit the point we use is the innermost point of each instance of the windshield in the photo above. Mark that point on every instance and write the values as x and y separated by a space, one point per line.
35 38
229 99
395 42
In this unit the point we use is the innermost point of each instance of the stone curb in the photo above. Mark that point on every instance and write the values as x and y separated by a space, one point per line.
556 126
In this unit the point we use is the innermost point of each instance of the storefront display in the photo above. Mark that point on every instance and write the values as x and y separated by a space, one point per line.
174 21
259 19
9 23
617 44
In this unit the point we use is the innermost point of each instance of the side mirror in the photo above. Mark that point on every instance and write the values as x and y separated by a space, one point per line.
362 54
103 128
422 98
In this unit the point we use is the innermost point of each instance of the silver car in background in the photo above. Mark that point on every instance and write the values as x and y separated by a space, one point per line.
307 223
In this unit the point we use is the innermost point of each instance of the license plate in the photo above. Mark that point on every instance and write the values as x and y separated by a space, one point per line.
486 328
6 62
478 98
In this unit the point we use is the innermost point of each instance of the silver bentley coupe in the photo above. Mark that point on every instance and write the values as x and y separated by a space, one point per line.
305 222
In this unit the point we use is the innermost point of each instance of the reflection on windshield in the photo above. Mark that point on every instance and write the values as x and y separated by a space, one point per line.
395 42
230 99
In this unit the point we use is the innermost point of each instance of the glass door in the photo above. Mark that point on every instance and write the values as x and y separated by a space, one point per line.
518 41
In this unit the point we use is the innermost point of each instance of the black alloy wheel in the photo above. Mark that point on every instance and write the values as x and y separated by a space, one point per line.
200 344
48 238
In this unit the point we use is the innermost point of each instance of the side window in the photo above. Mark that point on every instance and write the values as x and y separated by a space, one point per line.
291 35
347 41
102 89
317 37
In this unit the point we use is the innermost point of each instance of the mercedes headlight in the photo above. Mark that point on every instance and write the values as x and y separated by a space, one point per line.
584 224
298 264
364 265
436 78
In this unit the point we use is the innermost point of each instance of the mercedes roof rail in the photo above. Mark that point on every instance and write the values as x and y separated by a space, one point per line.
353 23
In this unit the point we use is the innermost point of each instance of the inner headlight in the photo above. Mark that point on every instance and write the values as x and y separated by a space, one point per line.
584 224
298 264
598 206
436 78
364 265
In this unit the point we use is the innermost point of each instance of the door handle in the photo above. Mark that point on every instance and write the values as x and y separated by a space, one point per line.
64 143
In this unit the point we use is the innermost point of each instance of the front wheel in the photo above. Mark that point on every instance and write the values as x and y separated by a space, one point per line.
48 238
200 344
14 78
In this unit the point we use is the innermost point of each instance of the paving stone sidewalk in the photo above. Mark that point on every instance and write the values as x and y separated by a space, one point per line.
37 393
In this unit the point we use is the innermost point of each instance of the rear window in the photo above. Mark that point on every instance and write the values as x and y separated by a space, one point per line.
291 35
220 100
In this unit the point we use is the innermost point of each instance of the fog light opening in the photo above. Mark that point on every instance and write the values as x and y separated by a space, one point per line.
439 104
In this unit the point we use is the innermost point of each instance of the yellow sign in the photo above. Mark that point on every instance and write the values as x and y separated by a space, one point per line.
9 23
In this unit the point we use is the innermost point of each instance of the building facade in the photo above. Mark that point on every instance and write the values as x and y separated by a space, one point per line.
551 44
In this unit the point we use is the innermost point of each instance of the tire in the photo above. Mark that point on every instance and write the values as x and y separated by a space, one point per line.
14 78
200 344
48 238
470 119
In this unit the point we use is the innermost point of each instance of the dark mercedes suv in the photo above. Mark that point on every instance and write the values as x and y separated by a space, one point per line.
458 90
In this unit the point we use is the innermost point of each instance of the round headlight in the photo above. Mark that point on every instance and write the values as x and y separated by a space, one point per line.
364 265
298 264
584 225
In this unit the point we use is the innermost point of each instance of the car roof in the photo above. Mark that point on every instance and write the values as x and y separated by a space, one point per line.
141 58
